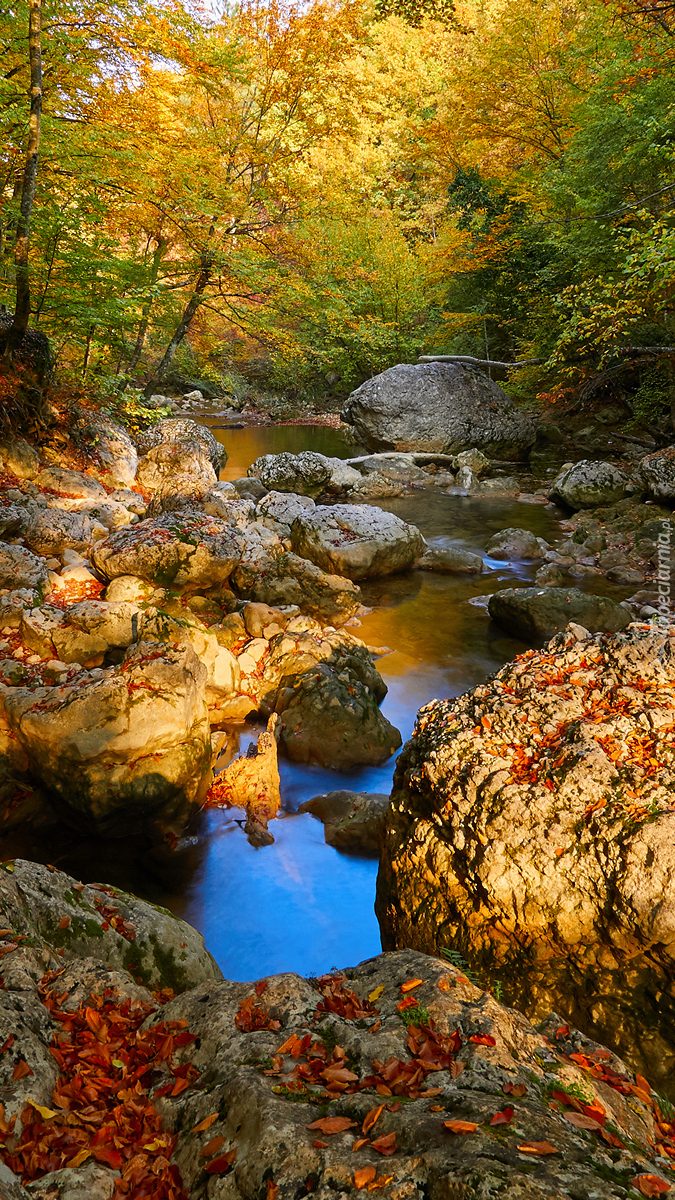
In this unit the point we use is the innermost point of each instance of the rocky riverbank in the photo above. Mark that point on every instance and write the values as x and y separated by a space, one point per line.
397 1075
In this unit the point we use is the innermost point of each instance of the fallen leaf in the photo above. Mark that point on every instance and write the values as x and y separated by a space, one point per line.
643 1085
376 993
412 983
483 1039
212 1147
650 1185
45 1113
436 1108
272 1189
79 1158
206 1123
503 1117
261 986
320 1145
445 983
363 1176
360 1143
538 1148
219 1165
581 1121
332 1124
461 1126
64 922
380 1182
371 1118
514 1089
21 1070
386 1144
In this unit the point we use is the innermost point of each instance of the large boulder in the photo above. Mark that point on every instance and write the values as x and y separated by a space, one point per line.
515 545
278 510
304 474
657 473
440 407
56 913
114 457
356 540
20 568
450 560
354 822
19 457
53 530
181 429
588 484
180 550
128 745
168 460
532 829
534 613
284 579
70 483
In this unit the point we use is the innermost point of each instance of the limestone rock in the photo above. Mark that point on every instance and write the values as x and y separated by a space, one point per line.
356 540
534 613
515 545
174 459
114 448
588 484
130 745
278 510
114 622
179 550
441 407
353 821
450 560
305 474
70 483
288 579
528 831
20 568
252 782
657 473
181 429
20 458
53 530
476 461
160 950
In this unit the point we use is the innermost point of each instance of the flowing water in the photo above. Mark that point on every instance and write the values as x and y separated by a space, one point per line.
299 904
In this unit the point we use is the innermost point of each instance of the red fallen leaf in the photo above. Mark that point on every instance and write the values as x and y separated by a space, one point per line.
261 986
596 1112
538 1148
371 1118
206 1123
179 1086
8 1044
386 1144
461 1126
219 1165
503 1117
106 1154
514 1089
409 1002
483 1039
320 1145
486 723
394 1107
272 1189
359 1143
21 1070
650 1185
581 1121
412 983
643 1084
332 1124
364 1176
288 1045
212 1147
562 1032
64 922
567 1100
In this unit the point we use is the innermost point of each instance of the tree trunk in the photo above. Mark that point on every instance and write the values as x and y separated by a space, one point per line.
181 329
22 309
145 314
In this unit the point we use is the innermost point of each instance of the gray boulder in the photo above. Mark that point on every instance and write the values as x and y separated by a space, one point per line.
441 407
356 540
278 510
20 568
657 473
175 458
53 530
19 457
588 484
181 429
354 822
114 449
70 483
283 579
515 545
534 613
305 474
180 550
334 720
450 560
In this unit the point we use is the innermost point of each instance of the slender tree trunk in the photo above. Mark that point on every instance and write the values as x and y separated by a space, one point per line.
22 309
87 351
182 327
145 314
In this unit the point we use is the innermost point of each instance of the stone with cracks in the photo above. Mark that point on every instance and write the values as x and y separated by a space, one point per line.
181 429
179 550
588 484
121 749
439 407
305 474
70 483
356 540
532 829
53 530
278 510
534 613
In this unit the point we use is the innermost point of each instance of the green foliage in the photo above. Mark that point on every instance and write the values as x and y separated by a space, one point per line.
416 1015
127 405
454 957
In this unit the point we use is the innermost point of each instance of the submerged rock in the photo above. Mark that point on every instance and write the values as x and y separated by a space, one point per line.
450 560
532 829
354 822
534 613
445 407
356 540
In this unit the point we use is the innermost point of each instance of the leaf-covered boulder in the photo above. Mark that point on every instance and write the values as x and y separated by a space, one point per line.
179 550
532 829
125 746
588 484
439 407
356 540
534 613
